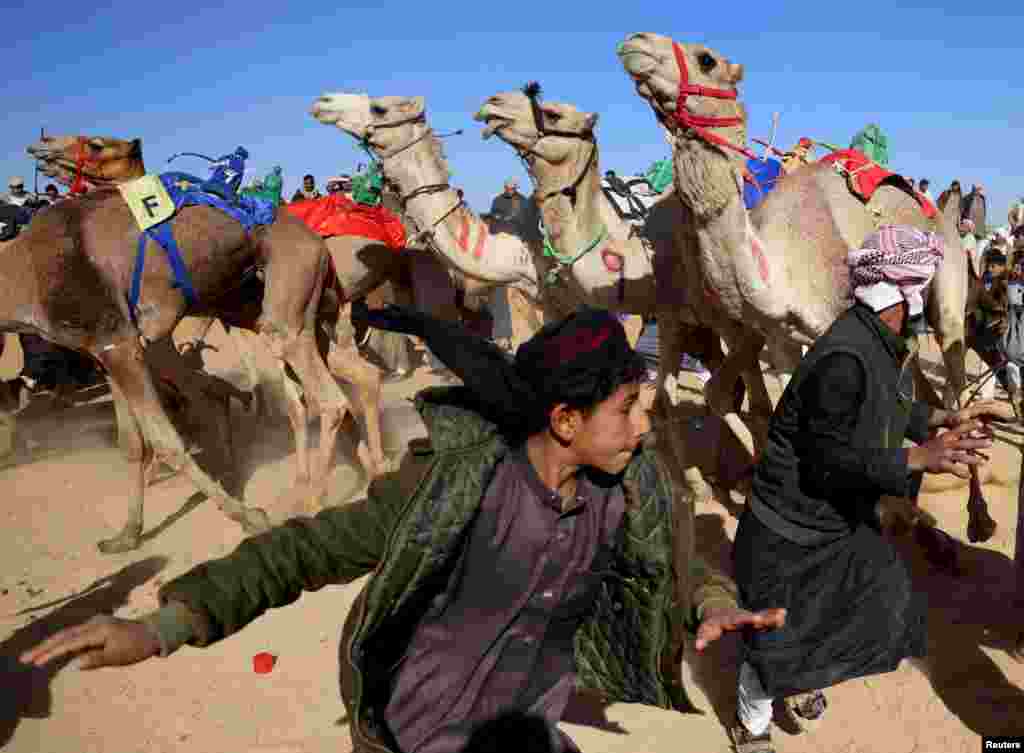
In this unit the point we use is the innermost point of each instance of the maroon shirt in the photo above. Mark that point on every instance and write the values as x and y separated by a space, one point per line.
500 637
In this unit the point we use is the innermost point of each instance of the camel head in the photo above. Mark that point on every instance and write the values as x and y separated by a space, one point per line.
101 160
382 123
551 131
652 61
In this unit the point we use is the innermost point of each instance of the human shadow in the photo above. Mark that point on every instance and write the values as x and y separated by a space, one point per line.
965 613
25 690
588 709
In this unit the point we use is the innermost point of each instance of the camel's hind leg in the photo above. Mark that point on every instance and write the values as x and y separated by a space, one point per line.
161 443
346 363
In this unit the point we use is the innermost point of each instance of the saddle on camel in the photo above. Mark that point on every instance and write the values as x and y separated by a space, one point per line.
76 277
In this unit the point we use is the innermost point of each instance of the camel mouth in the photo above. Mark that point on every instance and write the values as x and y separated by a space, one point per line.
639 62
492 123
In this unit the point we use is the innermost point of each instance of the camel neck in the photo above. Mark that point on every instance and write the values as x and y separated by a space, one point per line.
459 235
571 225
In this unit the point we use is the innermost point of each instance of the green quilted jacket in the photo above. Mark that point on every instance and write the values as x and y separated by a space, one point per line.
408 533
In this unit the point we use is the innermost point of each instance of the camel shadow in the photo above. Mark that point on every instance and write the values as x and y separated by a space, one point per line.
25 691
966 613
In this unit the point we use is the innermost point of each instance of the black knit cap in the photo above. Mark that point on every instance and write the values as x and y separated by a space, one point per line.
577 360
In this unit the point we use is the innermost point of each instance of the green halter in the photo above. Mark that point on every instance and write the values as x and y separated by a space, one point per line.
567 260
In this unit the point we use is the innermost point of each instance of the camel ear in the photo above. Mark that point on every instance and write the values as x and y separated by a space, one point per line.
137 148
735 72
590 122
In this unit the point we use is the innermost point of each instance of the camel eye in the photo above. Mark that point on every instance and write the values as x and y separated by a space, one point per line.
706 62
554 117
378 110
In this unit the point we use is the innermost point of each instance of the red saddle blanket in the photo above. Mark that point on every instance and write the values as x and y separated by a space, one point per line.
337 214
866 176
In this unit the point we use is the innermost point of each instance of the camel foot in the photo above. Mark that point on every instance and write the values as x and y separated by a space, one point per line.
126 541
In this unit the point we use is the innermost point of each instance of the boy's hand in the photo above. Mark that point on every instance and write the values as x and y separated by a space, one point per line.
104 642
717 622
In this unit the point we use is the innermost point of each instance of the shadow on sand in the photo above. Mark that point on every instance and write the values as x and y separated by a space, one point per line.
25 690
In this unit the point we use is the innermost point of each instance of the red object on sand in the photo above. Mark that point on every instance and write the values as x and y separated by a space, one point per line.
263 662
336 214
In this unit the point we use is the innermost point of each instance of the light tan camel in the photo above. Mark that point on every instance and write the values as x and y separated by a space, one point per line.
395 130
557 141
780 269
66 279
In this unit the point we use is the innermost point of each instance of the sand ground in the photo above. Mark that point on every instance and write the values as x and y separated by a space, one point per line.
69 488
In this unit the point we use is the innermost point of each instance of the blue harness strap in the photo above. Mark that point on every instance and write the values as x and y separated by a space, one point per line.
163 234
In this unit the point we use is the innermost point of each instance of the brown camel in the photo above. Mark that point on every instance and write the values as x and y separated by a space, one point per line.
360 265
66 279
780 269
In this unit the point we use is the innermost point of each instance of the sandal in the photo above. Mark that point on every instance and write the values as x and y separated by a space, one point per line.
745 741
809 706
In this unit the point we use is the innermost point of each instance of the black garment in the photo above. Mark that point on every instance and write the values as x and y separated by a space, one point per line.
810 540
11 220
835 439
972 207
508 208
852 610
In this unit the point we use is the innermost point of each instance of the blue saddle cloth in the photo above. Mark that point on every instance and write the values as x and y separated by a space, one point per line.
766 173
248 211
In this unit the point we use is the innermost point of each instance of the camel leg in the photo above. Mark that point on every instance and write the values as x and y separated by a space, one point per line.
126 366
346 363
128 437
145 467
325 397
742 359
672 337
8 406
299 419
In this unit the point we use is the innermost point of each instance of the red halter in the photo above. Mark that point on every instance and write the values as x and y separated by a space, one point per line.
78 186
700 124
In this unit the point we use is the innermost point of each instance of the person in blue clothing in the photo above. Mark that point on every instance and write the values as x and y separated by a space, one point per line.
227 173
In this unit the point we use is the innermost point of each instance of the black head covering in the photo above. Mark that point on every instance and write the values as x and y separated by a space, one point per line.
586 352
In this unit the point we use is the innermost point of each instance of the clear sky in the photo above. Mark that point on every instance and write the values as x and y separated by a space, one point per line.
945 85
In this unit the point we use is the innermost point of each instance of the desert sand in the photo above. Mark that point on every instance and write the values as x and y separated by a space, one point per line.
68 487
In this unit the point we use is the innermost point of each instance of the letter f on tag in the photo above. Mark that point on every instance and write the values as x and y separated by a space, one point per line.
150 203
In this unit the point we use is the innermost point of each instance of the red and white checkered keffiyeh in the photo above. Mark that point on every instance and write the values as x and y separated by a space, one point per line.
895 263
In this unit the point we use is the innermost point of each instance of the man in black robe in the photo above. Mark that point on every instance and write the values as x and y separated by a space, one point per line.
809 539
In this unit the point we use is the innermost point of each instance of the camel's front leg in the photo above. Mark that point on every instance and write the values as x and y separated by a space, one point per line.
672 337
126 367
742 359
8 406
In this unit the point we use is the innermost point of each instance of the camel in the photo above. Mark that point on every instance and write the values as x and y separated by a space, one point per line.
359 265
395 130
781 268
557 141
66 278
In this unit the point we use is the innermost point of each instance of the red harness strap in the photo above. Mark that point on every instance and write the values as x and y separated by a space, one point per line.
700 124
78 185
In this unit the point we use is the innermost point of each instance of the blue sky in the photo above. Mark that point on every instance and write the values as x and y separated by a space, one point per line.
944 85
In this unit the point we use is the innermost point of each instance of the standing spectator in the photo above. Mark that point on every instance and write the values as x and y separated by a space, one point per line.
308 190
950 194
508 205
922 188
506 209
18 196
52 194
973 208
